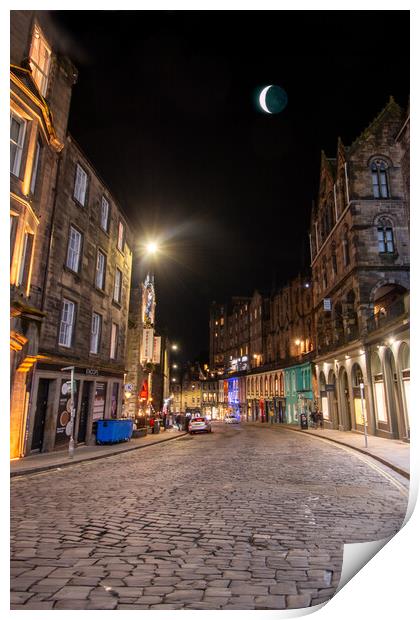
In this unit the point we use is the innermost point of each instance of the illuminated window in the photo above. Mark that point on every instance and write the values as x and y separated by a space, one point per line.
114 341
379 179
104 214
39 60
74 249
80 185
117 285
14 221
17 139
36 166
95 332
66 323
120 242
100 270
25 263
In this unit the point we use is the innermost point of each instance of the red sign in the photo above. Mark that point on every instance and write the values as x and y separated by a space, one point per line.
144 392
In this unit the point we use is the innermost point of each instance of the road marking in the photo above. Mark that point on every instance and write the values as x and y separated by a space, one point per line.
402 489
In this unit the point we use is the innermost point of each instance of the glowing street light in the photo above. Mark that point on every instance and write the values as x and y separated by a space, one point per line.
152 247
175 366
174 347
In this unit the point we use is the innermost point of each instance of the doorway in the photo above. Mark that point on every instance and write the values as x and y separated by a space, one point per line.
40 414
84 411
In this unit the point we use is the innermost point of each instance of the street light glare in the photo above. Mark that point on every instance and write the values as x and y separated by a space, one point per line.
152 247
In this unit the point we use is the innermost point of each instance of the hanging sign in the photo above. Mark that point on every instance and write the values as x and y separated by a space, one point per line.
156 350
147 345
327 304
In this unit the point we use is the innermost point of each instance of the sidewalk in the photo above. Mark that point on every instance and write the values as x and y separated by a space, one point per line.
51 460
391 452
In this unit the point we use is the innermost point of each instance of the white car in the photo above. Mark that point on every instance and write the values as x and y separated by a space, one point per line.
199 425
232 419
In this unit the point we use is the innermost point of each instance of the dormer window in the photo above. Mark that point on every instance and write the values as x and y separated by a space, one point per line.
39 60
380 179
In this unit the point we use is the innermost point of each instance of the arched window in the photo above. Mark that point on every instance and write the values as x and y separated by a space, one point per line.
324 272
379 179
266 386
385 236
276 385
261 386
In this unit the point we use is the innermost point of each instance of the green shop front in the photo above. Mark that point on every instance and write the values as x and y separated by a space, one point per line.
298 391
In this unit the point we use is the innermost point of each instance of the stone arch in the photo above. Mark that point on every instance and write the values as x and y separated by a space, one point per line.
359 398
344 400
333 399
403 373
381 413
323 396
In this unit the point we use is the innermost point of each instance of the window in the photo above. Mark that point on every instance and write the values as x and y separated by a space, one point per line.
17 138
346 256
100 270
120 242
379 179
66 323
35 166
14 221
385 237
95 332
104 214
25 263
333 262
117 285
80 185
74 249
39 60
114 341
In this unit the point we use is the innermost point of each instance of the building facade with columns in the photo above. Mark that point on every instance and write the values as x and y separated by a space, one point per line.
360 273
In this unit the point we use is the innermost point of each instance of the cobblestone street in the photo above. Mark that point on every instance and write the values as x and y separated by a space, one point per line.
243 518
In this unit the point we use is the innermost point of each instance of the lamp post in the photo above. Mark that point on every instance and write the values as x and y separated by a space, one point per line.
362 398
73 410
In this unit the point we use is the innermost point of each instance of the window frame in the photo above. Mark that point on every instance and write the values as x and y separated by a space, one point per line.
98 252
75 197
36 165
19 145
98 333
118 298
105 200
44 71
380 179
72 324
121 238
80 254
113 349
383 228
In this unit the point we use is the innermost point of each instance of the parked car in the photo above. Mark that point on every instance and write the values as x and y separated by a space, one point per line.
232 419
199 425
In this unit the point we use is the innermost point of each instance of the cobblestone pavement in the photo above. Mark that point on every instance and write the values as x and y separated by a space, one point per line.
244 518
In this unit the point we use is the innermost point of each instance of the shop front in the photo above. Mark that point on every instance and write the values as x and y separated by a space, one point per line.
97 395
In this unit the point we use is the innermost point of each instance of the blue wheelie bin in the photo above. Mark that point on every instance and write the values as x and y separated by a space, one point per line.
113 431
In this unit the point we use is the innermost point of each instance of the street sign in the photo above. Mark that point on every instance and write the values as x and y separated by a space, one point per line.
327 304
128 387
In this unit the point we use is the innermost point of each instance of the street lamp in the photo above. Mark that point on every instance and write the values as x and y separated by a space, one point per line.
174 347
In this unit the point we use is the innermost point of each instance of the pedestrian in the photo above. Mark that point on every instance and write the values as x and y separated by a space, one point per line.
312 416
178 421
319 419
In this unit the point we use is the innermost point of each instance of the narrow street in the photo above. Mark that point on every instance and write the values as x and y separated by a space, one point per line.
243 518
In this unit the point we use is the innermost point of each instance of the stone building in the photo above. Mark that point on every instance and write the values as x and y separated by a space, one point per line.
86 290
41 81
360 272
209 398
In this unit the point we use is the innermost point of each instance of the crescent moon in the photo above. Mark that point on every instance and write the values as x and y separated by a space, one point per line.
263 95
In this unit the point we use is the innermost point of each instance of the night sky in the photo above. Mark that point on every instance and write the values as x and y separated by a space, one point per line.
165 108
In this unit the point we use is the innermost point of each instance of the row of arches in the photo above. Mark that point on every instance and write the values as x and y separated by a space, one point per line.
383 400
